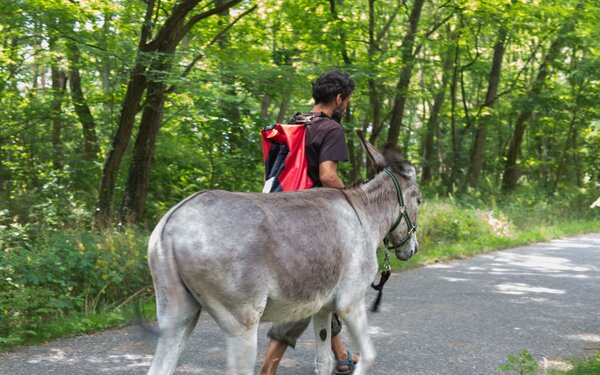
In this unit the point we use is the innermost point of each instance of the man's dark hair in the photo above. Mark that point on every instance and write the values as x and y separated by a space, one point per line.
330 84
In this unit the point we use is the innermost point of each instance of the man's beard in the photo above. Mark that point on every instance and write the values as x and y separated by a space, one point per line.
338 114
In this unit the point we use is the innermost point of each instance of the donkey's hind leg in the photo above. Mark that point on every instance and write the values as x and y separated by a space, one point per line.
241 351
177 313
240 324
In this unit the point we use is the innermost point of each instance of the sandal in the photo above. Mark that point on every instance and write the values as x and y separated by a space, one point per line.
349 363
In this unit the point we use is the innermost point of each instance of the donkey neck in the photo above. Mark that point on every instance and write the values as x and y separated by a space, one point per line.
378 202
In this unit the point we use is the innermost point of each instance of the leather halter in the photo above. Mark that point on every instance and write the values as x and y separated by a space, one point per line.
403 214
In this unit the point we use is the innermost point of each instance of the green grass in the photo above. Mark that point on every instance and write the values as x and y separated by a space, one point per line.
76 325
589 366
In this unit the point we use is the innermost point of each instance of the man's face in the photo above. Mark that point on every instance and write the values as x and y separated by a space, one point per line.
342 106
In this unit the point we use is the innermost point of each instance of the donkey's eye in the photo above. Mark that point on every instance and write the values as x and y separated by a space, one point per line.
419 200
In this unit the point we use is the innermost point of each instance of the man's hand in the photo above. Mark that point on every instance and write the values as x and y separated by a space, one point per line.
328 175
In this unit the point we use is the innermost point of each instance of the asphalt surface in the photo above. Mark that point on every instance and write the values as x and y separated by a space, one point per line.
462 317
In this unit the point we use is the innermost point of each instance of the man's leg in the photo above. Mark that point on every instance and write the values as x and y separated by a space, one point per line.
286 334
282 336
275 352
339 351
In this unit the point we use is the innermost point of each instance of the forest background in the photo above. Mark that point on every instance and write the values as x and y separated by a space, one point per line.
113 111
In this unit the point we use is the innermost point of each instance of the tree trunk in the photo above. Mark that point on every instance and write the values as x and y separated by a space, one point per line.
59 81
511 170
164 45
432 125
2 172
283 107
334 14
374 88
264 107
105 65
143 154
570 139
354 157
450 176
511 173
477 156
90 141
408 61
131 104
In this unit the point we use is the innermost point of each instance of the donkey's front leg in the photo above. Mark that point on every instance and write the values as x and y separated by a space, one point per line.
323 357
356 321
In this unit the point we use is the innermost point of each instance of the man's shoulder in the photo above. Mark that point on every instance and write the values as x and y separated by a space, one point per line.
326 124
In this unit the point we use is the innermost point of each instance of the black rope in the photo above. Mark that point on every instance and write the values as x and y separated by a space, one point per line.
385 275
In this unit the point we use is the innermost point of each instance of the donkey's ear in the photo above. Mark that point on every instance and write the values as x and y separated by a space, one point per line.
408 170
399 164
376 156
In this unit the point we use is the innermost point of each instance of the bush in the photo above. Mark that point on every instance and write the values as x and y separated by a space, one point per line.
443 222
50 274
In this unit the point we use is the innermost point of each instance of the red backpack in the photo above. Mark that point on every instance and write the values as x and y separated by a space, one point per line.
284 153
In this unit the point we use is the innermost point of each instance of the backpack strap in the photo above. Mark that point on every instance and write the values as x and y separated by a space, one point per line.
306 119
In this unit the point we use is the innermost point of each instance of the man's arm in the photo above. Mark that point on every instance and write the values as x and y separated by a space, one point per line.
328 175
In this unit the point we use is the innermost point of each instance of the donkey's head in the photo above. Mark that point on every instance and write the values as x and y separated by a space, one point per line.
401 236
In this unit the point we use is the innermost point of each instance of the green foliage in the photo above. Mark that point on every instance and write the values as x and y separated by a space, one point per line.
583 367
521 364
260 70
50 274
444 221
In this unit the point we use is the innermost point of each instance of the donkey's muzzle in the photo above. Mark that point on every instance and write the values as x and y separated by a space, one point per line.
406 254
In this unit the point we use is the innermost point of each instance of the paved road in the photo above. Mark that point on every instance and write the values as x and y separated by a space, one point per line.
463 317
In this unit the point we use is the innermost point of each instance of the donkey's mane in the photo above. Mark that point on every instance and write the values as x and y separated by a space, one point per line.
368 191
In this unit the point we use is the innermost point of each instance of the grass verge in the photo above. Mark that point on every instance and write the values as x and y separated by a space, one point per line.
589 366
77 325
435 253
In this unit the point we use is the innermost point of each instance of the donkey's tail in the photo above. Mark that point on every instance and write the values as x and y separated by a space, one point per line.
139 320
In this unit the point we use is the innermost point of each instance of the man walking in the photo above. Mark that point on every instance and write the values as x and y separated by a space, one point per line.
325 147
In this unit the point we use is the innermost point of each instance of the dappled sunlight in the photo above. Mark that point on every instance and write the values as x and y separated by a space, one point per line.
55 355
517 272
111 363
540 263
561 244
588 337
440 266
547 364
521 289
455 279
376 331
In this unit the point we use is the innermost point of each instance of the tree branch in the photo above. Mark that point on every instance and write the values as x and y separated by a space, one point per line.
169 27
386 27
464 99
198 17
438 25
220 35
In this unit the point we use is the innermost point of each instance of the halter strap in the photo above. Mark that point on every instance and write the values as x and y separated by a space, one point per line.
403 214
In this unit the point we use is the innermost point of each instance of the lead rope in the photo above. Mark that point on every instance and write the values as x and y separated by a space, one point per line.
385 275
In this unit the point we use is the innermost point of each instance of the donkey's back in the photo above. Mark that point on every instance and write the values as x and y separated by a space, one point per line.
283 252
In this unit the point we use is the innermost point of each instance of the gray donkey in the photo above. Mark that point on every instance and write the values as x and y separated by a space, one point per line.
251 257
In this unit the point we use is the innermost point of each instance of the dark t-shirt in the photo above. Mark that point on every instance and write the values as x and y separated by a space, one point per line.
325 141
